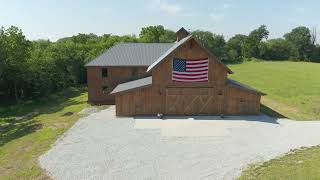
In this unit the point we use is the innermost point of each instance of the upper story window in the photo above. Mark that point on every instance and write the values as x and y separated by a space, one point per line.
104 72
135 72
104 89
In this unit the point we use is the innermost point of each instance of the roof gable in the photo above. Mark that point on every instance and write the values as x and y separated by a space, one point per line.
177 45
131 54
169 51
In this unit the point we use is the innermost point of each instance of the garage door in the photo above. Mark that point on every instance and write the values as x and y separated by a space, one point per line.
192 101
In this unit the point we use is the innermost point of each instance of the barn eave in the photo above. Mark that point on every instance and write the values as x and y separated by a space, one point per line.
239 85
132 85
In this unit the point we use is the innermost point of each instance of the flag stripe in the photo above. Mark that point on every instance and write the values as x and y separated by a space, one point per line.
200 59
196 65
199 66
192 80
198 69
197 62
190 73
190 70
186 76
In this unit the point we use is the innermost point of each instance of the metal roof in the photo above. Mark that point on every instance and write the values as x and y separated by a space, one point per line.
177 45
131 54
140 83
243 86
165 54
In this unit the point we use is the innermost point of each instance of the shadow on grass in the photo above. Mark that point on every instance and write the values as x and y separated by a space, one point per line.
20 119
15 130
270 112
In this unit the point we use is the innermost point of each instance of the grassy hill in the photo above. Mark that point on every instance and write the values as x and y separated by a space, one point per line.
293 88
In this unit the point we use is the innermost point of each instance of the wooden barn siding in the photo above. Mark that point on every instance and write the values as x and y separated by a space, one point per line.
191 98
137 102
193 101
116 75
162 80
242 102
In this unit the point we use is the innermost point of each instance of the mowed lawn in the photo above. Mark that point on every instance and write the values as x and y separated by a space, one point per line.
23 140
293 88
301 164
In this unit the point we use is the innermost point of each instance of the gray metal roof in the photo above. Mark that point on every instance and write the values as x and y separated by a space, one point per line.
131 54
165 54
243 86
144 82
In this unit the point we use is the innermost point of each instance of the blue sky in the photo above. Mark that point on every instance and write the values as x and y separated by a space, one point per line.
53 19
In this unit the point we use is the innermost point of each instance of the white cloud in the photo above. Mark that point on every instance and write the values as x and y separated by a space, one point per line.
170 8
226 6
164 6
216 16
220 12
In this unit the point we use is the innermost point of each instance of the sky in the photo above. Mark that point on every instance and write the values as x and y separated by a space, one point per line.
54 19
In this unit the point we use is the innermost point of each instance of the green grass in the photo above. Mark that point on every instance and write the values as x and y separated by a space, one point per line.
299 164
293 88
23 141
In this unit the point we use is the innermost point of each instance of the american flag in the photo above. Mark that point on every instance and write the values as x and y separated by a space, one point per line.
190 70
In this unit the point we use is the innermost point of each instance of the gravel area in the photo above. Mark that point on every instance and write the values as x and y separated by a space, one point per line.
102 146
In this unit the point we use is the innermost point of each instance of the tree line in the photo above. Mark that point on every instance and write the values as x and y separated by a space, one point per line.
36 68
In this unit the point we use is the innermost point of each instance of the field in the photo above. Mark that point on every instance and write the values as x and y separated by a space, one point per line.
27 130
297 165
293 90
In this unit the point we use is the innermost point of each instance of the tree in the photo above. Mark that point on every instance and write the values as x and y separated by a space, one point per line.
156 34
15 51
300 39
277 49
215 43
314 35
168 36
252 42
260 33
234 47
151 33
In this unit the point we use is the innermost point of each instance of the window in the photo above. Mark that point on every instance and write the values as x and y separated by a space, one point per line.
104 72
104 89
134 73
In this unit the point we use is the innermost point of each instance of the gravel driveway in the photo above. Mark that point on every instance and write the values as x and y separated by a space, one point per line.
102 146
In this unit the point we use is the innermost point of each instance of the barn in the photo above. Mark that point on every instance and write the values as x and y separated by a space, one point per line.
181 78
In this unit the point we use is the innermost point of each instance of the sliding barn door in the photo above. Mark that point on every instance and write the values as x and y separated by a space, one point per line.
192 101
